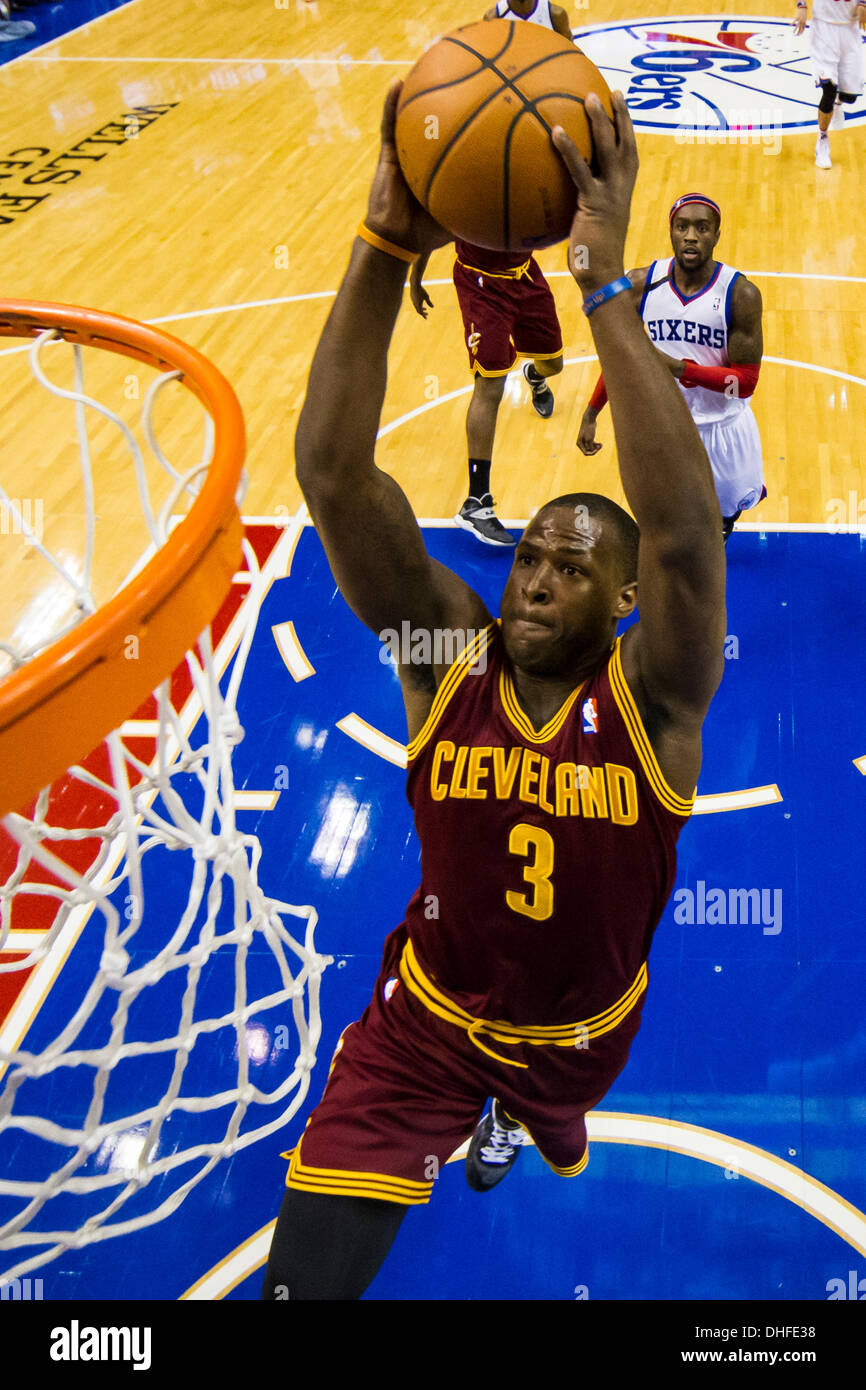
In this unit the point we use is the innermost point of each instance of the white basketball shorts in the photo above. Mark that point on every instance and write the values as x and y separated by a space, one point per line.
837 55
734 449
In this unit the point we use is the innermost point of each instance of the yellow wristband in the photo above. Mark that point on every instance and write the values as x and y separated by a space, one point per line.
388 247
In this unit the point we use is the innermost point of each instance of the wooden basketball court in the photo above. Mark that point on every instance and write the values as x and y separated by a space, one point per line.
229 219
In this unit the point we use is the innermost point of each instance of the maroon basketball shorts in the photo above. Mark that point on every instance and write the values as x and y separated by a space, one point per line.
504 318
406 1088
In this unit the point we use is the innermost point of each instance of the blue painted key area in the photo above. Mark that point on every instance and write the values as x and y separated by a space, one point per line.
752 1029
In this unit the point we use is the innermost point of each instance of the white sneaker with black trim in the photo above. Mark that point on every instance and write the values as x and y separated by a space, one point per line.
822 153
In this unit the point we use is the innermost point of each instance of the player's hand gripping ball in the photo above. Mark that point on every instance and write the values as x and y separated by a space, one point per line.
473 132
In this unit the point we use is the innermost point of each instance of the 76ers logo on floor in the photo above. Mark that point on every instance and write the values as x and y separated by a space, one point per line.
738 75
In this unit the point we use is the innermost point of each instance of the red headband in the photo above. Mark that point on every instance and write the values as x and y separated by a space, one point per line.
694 198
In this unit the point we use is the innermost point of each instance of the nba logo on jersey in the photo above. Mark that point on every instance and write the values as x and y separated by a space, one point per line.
590 716
717 303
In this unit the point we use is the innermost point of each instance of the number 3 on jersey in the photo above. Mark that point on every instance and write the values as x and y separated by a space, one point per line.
523 840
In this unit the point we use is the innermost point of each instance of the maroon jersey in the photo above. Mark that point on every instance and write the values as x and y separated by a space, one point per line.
547 856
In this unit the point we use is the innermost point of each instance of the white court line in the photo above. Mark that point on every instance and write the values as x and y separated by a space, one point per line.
742 800
295 659
139 728
218 309
829 528
343 61
373 739
811 367
256 801
23 940
575 361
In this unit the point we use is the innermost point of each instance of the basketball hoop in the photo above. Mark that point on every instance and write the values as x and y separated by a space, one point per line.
110 818
71 696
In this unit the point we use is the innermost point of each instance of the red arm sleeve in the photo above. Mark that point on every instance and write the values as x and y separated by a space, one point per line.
721 378
598 399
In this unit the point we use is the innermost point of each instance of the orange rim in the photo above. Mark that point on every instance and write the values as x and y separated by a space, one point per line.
65 701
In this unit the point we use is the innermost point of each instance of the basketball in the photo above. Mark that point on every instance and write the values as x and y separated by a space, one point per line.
473 132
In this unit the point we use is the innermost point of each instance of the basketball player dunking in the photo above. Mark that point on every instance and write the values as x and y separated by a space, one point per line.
705 319
549 780
508 312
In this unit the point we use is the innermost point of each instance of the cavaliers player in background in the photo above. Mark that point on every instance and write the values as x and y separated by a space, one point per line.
508 312
837 61
549 781
706 320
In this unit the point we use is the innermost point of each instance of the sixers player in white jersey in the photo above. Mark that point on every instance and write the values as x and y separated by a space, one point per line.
837 61
538 11
705 318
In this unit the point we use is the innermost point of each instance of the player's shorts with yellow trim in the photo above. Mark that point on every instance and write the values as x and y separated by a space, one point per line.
505 317
406 1089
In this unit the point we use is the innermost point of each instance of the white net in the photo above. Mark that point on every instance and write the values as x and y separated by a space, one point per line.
127 1091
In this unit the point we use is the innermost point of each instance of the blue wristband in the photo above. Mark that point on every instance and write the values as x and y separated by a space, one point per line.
606 292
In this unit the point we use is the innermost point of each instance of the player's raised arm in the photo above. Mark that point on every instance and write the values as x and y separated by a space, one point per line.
673 659
363 517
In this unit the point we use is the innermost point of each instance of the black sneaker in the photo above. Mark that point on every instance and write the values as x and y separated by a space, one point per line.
477 515
493 1149
542 396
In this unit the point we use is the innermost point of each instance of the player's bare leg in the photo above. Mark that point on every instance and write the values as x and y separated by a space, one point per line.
476 514
481 417
535 373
